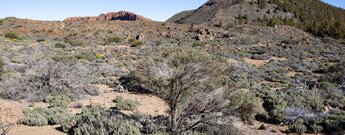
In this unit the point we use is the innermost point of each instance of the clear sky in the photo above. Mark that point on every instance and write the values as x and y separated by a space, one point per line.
158 10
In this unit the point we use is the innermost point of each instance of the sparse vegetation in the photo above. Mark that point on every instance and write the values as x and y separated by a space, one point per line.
203 78
95 119
42 117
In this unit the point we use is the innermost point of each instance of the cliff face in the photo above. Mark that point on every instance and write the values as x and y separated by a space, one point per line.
122 15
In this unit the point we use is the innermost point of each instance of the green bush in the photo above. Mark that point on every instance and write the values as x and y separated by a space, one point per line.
200 44
132 40
43 116
1 22
114 39
136 43
99 56
11 36
298 128
58 101
327 86
86 55
275 106
60 45
327 39
40 40
97 120
123 104
315 128
335 122
76 43
290 41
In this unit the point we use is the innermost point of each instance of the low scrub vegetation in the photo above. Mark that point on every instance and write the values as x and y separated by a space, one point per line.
123 104
45 78
95 119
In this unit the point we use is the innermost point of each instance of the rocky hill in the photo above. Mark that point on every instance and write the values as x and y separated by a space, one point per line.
226 12
313 16
122 15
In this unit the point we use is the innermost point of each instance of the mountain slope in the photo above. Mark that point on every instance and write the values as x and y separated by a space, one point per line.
228 11
313 16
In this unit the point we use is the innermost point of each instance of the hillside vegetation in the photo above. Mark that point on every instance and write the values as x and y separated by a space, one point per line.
315 16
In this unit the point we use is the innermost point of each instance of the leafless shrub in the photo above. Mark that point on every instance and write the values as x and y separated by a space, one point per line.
45 78
294 113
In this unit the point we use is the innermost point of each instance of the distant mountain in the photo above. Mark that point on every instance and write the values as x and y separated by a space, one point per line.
313 16
122 15
228 11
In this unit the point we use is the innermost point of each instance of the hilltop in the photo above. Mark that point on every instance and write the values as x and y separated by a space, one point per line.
121 15
313 16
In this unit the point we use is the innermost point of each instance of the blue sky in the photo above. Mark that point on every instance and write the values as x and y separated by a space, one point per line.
158 10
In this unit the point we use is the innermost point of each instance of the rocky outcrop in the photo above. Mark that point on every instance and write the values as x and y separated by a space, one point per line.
122 15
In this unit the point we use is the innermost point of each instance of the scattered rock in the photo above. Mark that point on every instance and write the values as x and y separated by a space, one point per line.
141 36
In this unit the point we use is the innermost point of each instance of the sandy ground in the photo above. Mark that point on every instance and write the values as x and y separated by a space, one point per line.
11 111
260 63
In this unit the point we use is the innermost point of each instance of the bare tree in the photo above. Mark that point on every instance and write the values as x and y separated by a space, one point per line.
193 85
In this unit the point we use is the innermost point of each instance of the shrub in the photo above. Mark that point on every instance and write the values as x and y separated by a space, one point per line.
123 104
1 21
290 41
94 120
114 39
99 56
58 101
86 55
199 44
60 45
132 40
275 106
158 43
327 39
11 36
49 78
40 40
327 86
76 43
43 116
136 43
298 128
335 122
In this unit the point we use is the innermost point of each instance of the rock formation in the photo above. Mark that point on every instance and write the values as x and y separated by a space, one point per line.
122 15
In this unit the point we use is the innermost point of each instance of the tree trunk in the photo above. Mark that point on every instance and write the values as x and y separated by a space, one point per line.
173 121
